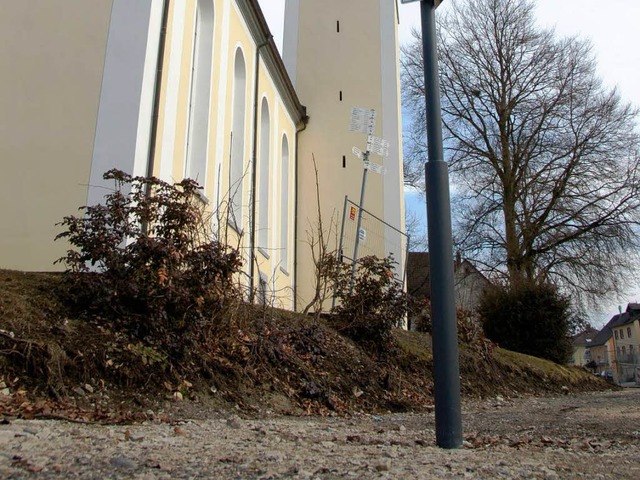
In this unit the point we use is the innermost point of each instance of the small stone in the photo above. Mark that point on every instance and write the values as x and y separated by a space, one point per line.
273 456
384 467
177 396
234 421
5 392
79 391
88 388
122 462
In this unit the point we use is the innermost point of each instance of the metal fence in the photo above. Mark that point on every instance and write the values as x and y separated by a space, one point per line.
376 238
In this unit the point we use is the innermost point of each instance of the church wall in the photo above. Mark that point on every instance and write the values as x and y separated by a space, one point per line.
51 58
231 34
343 55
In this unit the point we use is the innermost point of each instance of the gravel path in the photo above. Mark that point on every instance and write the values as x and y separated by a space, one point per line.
574 436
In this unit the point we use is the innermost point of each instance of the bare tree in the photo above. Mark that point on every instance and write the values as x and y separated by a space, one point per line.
544 158
324 259
416 230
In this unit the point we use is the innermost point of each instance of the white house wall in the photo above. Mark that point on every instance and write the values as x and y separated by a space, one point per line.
52 54
230 33
126 99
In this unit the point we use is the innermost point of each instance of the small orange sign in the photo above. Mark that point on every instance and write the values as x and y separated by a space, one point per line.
352 213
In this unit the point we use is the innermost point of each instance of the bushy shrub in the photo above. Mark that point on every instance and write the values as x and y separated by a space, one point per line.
469 326
146 260
373 303
530 318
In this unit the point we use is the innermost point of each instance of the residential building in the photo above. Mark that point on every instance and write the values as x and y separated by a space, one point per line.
196 88
582 342
469 282
626 339
602 350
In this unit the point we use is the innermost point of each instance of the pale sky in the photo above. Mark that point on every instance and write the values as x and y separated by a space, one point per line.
612 26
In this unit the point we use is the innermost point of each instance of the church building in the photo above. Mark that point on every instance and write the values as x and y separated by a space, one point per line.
198 89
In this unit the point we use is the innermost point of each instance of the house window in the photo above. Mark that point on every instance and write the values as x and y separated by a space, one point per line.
624 351
263 193
237 169
628 332
621 334
198 122
616 334
284 205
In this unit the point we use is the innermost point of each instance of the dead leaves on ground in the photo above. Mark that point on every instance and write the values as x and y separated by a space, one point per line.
20 406
479 441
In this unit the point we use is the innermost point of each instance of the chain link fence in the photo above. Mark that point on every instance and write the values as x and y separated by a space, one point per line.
376 238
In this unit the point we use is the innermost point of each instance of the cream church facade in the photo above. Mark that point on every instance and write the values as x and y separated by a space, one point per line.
197 88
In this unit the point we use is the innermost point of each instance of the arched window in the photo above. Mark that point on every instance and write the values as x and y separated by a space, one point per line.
237 168
198 126
263 163
284 205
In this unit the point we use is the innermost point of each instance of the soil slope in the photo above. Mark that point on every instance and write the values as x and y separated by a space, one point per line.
56 363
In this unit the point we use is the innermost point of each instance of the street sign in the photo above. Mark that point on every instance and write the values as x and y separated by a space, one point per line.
362 235
435 2
363 120
377 145
357 152
375 168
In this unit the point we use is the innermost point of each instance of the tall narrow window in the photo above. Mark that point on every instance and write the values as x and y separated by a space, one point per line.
264 169
198 126
284 205
237 168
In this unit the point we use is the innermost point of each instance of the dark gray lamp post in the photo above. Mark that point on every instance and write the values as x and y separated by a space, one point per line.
446 369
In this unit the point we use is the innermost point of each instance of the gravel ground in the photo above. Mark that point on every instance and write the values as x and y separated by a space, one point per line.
574 436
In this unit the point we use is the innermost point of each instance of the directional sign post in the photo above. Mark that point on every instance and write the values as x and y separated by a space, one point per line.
363 120
435 2
378 146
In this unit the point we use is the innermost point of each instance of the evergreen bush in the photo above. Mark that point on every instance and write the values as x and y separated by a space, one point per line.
529 318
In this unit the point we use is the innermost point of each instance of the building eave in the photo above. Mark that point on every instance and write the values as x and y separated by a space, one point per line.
261 33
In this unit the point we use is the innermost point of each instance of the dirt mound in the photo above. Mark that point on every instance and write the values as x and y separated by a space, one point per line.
55 362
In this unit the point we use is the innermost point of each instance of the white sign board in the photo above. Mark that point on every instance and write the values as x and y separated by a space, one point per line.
363 235
377 145
435 2
363 120
374 167
357 152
